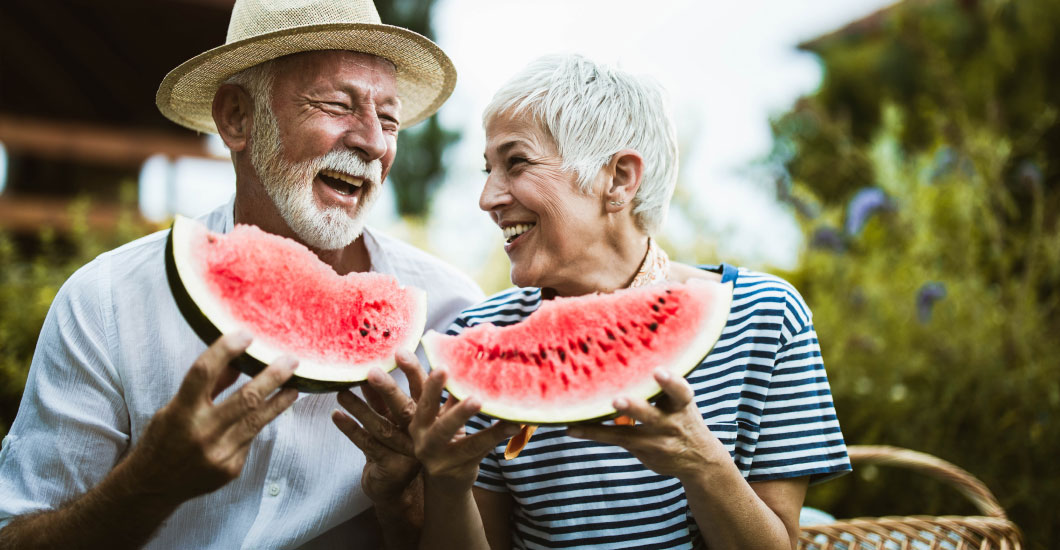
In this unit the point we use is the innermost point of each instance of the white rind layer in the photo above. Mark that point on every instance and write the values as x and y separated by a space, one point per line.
720 300
184 230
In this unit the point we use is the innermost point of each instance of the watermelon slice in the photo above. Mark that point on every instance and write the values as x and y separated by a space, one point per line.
339 327
568 360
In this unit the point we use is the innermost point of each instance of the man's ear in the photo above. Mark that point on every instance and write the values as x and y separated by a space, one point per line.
626 168
232 113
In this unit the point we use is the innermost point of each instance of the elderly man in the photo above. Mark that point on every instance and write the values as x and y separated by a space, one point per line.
131 432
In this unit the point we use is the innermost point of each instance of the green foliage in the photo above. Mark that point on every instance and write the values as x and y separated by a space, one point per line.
31 272
417 171
939 316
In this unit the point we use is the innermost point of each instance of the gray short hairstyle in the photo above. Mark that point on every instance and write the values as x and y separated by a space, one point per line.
593 111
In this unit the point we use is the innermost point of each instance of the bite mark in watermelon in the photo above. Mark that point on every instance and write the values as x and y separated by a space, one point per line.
572 357
339 327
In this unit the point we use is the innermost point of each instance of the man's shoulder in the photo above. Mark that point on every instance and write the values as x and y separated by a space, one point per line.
409 260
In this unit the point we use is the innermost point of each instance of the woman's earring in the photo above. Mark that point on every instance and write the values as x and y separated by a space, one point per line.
617 203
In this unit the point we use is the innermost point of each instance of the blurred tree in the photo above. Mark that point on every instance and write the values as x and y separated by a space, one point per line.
418 168
926 174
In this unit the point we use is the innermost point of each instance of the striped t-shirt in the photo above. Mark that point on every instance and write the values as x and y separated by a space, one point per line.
762 391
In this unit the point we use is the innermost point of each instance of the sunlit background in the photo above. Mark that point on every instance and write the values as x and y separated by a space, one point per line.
898 163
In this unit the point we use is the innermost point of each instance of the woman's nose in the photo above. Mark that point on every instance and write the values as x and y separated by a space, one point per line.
494 194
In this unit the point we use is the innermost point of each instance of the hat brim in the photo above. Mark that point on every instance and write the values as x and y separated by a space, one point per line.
425 75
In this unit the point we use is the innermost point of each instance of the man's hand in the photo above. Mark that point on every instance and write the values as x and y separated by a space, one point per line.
193 446
382 431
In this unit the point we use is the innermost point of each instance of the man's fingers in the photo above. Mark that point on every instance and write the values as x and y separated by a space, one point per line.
253 396
201 378
224 380
678 392
402 407
364 441
410 365
375 424
244 431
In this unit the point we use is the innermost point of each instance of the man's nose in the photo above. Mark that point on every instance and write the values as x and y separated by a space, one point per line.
366 138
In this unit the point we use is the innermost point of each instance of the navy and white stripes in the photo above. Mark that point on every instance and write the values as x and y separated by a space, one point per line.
762 391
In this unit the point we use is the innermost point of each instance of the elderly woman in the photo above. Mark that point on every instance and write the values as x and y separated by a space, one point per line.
581 162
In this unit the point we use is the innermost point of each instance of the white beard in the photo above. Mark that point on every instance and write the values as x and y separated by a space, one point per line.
290 186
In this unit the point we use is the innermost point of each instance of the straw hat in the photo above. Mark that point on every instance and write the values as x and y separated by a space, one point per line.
261 30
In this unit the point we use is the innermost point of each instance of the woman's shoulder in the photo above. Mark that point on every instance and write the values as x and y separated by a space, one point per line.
762 293
505 307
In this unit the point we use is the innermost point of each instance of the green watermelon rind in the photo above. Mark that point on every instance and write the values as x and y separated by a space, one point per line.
209 320
556 414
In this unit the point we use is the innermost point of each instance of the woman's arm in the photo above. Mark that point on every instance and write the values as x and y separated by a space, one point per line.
450 461
672 439
495 509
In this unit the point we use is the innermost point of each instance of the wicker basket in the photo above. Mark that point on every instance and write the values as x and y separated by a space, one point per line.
990 531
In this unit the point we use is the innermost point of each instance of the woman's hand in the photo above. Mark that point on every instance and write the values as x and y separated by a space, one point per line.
450 458
381 430
670 438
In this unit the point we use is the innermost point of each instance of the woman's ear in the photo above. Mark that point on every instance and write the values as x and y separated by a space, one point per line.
626 168
232 109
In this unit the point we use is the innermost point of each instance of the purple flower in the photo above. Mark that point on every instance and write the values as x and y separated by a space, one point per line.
926 297
865 203
827 238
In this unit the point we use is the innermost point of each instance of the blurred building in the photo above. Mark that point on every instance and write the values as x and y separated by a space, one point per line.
77 113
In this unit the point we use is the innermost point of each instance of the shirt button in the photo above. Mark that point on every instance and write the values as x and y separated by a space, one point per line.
274 489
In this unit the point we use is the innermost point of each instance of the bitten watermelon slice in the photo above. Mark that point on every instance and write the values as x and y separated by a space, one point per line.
339 327
572 357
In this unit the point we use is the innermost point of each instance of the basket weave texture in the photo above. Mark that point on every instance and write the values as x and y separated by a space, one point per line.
990 531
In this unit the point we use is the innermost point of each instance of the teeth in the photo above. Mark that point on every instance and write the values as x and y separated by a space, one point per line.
356 182
514 231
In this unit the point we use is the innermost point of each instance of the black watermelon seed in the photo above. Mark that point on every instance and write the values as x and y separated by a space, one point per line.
562 355
661 300
655 307
386 334
653 326
543 354
366 325
585 348
364 332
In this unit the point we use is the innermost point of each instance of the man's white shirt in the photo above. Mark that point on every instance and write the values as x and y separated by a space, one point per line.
114 349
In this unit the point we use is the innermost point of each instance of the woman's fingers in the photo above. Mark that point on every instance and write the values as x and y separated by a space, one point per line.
677 390
427 408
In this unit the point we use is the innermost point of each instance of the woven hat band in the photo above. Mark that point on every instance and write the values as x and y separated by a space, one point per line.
252 18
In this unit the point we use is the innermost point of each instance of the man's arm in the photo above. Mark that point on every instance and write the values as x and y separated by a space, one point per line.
191 447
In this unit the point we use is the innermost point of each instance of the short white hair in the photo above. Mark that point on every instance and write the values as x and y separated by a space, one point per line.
593 111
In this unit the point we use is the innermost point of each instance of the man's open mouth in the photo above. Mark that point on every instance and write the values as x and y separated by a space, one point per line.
344 184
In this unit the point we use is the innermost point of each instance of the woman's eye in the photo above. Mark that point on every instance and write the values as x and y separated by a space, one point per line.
515 160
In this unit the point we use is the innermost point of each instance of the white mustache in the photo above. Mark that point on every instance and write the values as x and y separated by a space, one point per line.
349 163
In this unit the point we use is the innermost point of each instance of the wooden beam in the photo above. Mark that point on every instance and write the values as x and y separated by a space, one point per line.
94 144
26 214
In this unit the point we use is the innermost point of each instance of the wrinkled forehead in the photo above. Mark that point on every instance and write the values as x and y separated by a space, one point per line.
337 68
511 127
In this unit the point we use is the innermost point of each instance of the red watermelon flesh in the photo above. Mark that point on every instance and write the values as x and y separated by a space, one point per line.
293 303
568 360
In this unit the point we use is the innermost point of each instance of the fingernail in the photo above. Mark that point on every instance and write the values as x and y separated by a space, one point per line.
292 362
242 337
375 375
662 374
621 403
